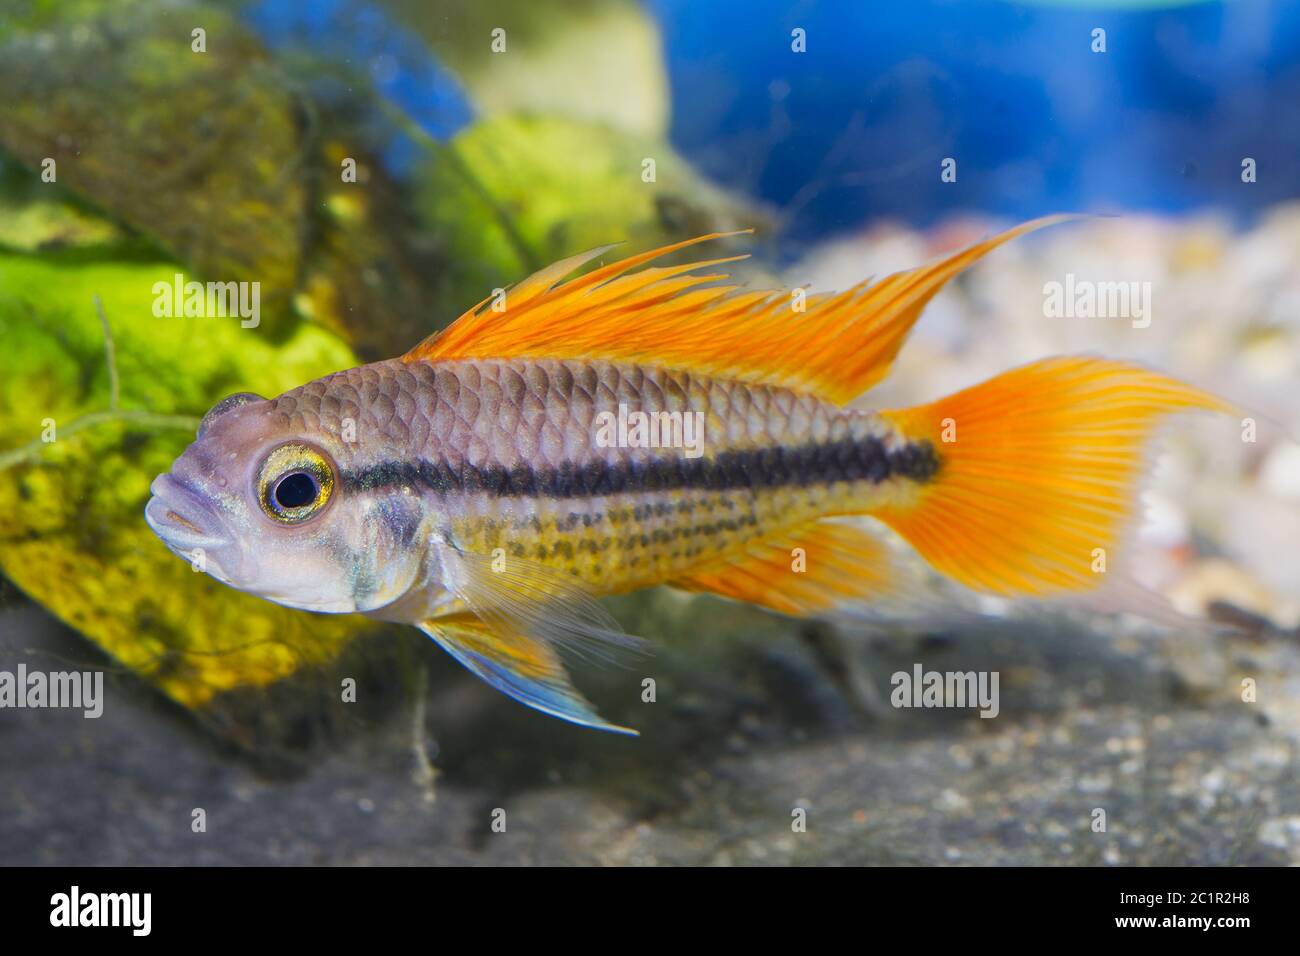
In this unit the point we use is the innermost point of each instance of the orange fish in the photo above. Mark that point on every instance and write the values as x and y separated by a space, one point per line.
633 427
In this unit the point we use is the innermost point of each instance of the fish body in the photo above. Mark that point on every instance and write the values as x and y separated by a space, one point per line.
628 429
508 455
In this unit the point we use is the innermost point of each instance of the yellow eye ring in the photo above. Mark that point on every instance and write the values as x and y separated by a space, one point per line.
294 483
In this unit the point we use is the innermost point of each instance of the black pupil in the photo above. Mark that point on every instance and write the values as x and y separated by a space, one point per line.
295 490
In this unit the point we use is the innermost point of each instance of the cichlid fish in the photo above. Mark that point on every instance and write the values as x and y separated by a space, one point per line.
623 429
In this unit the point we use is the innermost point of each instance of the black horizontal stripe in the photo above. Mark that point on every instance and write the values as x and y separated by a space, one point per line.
864 459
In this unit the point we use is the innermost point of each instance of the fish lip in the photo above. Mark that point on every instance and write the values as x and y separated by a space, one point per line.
181 517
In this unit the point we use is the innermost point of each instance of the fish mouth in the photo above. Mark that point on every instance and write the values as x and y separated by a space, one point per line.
182 518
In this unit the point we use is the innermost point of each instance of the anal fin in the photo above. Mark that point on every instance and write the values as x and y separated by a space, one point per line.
805 570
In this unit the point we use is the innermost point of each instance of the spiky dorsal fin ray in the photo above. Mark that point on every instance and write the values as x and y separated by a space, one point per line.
837 348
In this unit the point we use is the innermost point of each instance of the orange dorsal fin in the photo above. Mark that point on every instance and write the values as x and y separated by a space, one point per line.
678 317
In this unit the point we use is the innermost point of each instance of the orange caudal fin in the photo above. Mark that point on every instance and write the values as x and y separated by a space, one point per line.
1038 469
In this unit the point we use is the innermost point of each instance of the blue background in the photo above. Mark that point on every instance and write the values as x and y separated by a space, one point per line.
856 127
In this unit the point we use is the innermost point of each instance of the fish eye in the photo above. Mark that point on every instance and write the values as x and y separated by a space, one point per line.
294 483
295 490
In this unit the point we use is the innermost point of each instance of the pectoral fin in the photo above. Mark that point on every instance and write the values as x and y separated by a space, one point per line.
523 615
522 667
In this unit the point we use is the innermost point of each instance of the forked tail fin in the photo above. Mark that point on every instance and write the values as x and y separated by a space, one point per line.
1038 471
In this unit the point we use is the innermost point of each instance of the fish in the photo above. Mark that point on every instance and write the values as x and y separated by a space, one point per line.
599 428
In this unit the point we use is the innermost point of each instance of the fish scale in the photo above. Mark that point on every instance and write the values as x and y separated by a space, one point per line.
484 415
473 410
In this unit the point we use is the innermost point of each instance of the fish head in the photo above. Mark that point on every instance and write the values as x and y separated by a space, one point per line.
260 500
